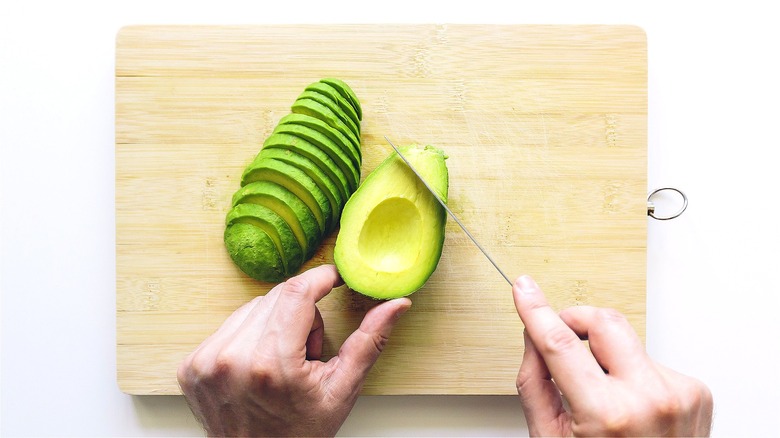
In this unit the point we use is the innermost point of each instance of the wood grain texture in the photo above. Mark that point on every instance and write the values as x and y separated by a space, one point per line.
545 128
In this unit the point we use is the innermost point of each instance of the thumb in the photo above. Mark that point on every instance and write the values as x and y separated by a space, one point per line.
362 348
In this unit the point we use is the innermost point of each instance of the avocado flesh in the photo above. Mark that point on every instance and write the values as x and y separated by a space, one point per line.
327 186
317 146
275 227
294 180
334 95
392 228
334 107
315 109
323 128
297 215
347 92
253 251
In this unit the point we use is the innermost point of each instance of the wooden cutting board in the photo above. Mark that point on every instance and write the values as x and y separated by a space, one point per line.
545 128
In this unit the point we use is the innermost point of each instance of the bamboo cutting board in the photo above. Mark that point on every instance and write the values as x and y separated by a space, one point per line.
545 128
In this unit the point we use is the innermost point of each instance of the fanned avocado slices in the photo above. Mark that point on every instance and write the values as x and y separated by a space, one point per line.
297 215
275 227
347 92
292 194
332 133
334 107
299 136
323 181
334 95
294 180
320 111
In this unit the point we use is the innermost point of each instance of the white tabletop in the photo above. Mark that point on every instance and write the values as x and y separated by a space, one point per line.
713 289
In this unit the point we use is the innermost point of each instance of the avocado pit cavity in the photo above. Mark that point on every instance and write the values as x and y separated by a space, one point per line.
391 235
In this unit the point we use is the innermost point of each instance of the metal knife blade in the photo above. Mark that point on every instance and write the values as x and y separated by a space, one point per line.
452 215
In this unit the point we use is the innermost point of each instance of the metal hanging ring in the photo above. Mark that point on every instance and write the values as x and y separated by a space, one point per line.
651 207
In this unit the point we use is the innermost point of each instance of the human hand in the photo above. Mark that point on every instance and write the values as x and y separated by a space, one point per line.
612 389
260 373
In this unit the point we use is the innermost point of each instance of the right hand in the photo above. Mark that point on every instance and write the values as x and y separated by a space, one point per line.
613 388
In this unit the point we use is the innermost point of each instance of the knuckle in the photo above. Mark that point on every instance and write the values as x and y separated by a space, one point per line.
558 340
608 314
264 374
380 341
296 286
616 422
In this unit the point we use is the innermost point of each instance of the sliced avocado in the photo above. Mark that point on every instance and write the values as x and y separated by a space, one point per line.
346 92
307 166
285 141
323 128
275 227
310 142
334 95
294 180
392 228
297 215
334 107
253 251
320 111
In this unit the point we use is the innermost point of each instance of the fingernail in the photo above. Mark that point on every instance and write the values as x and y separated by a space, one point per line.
526 284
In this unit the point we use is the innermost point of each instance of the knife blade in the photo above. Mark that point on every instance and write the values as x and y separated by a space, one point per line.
452 215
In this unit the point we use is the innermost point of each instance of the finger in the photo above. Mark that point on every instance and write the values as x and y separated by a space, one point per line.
569 361
539 397
613 342
291 319
362 348
314 341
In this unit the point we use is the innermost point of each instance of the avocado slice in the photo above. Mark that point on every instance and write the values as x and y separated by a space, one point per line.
285 141
253 251
315 109
323 128
346 92
297 215
334 107
275 227
294 180
392 228
334 95
307 166
310 143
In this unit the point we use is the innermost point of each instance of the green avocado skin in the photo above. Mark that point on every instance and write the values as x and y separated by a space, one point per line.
253 252
293 192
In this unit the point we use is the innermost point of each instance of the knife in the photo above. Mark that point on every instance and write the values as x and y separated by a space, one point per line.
452 215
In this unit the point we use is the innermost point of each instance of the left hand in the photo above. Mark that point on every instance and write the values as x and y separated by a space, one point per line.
260 373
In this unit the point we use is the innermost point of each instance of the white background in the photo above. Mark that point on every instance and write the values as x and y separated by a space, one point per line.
712 283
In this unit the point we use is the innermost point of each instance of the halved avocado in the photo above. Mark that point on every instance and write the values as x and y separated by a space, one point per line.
294 180
347 92
323 128
307 166
297 215
334 95
275 227
392 228
334 107
307 139
315 109
253 251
